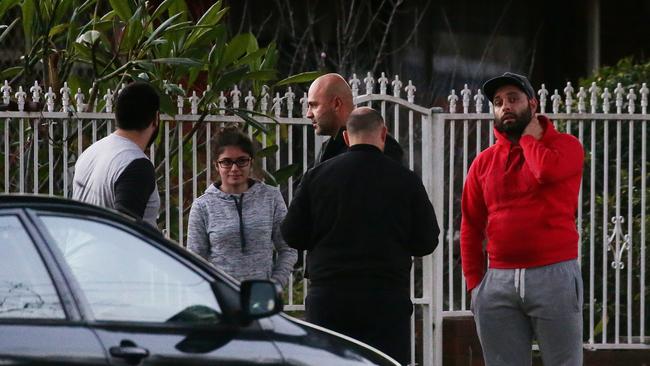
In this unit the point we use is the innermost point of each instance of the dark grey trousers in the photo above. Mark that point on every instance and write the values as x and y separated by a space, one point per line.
513 306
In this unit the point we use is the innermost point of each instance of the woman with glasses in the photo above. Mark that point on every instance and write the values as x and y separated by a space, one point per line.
235 224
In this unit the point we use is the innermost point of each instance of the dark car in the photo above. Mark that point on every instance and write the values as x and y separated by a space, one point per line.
81 285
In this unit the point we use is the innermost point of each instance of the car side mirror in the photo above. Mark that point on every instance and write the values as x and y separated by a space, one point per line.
259 299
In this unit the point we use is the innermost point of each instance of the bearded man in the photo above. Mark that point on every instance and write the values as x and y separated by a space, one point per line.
114 172
521 194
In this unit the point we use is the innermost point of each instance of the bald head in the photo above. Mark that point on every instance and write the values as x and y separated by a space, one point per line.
365 126
334 85
329 103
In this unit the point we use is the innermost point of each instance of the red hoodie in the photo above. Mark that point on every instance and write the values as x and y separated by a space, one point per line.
523 199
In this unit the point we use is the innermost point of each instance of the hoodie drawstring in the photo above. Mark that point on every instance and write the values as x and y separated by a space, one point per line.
239 204
520 282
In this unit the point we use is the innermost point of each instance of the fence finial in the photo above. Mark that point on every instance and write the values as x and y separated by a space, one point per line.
452 98
264 99
108 97
235 94
582 96
543 94
304 103
79 100
410 92
354 84
619 91
20 97
631 98
370 83
222 103
65 97
6 92
277 105
36 92
478 100
397 87
383 81
467 97
290 96
194 103
606 97
555 99
180 102
568 101
644 98
593 96
49 99
250 101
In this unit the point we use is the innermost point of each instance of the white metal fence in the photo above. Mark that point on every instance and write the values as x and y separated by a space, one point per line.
38 151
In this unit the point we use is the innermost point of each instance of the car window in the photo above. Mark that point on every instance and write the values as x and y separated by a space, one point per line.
127 279
26 289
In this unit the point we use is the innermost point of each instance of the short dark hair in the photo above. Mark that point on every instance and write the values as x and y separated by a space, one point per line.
136 106
363 120
233 136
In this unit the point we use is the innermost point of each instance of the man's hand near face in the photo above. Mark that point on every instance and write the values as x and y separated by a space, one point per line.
534 129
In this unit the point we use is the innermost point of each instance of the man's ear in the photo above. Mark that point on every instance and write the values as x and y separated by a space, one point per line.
384 132
346 138
337 102
533 103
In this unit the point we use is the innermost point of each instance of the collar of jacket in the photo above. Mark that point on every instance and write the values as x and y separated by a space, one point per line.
253 187
364 147
545 122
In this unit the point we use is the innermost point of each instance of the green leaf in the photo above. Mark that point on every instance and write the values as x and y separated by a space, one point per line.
178 61
29 15
173 89
262 75
236 48
161 28
8 29
210 18
283 174
249 120
10 72
162 8
132 32
62 11
229 78
267 152
122 8
178 7
304 77
58 29
167 105
6 5
251 57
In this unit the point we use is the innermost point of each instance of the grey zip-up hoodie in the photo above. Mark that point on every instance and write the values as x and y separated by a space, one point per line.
238 232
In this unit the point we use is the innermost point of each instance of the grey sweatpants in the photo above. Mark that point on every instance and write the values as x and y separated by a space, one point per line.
512 306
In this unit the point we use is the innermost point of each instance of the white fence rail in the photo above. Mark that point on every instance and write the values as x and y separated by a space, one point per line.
38 151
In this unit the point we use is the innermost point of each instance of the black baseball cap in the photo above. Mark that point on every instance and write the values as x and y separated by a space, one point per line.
509 78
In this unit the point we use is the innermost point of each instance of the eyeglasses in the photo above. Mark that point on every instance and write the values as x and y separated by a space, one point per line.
240 162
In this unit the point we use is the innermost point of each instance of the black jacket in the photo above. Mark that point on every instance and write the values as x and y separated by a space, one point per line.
336 145
361 216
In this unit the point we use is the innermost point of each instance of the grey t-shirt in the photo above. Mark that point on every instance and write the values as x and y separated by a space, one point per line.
101 165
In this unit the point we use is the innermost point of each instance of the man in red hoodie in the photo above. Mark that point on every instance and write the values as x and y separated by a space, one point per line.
521 195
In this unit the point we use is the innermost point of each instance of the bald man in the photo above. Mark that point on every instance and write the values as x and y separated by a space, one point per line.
329 106
361 216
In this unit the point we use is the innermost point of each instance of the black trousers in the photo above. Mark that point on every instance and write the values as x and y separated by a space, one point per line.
380 318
